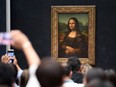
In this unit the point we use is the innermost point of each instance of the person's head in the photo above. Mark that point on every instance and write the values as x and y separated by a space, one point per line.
67 70
75 63
85 68
7 74
94 73
111 76
99 83
14 68
73 24
50 73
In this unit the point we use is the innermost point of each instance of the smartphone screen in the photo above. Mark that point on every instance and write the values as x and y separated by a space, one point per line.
11 54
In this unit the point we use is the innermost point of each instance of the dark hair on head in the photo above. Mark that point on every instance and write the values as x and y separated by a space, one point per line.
13 66
111 76
75 63
50 73
14 69
7 74
76 24
99 83
95 73
67 69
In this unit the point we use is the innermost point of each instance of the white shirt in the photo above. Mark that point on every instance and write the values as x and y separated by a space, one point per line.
71 83
33 82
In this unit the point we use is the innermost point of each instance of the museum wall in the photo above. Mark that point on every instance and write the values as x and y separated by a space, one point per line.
2 23
33 17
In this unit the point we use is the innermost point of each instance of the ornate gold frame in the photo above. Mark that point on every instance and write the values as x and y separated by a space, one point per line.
91 30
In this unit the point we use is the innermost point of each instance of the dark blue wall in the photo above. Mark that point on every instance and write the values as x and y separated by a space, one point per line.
33 17
2 23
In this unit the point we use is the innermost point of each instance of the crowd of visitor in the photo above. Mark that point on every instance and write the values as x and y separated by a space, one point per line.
47 72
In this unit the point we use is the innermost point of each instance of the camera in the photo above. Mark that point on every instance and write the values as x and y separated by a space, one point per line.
5 38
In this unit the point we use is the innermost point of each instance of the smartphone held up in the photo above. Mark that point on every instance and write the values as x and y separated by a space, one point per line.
10 53
5 38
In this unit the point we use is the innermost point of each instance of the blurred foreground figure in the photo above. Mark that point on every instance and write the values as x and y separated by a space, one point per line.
7 75
111 76
21 41
50 73
94 73
47 73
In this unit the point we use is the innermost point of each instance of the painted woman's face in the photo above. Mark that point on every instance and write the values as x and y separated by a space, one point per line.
72 24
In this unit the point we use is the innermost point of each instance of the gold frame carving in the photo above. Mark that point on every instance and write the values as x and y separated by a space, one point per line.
55 10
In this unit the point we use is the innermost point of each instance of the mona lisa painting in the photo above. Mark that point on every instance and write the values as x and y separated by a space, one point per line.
73 33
